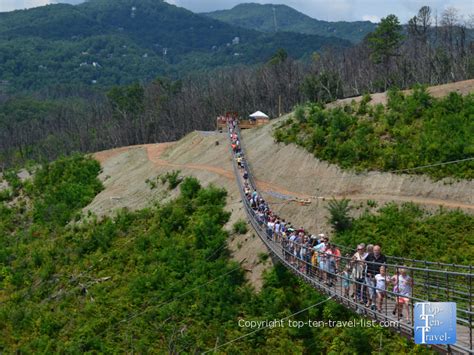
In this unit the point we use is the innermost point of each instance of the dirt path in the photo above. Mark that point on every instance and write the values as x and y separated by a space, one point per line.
298 175
461 87
155 151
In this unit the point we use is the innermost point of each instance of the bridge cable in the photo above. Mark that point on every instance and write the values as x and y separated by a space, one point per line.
257 330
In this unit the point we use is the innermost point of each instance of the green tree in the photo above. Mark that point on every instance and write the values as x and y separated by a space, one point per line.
385 41
322 88
127 100
339 214
279 57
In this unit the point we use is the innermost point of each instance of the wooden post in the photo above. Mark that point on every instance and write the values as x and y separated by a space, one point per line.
279 105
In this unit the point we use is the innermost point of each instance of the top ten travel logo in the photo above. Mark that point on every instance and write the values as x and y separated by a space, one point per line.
435 323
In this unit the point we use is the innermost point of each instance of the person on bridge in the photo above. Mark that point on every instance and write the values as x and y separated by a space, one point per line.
270 228
314 262
403 285
381 281
365 287
277 229
346 279
246 176
321 249
291 247
239 161
374 260
358 273
305 255
298 245
247 191
333 256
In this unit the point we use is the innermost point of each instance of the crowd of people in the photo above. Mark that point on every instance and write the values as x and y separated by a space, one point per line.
363 275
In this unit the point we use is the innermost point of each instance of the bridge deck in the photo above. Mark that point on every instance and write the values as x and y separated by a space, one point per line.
447 283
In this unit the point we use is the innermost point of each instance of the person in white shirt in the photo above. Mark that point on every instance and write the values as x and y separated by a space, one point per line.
358 267
403 285
277 230
270 229
381 281
291 246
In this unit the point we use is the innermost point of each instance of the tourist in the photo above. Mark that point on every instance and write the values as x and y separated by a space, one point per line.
373 260
320 249
358 272
381 280
403 285
346 279
333 257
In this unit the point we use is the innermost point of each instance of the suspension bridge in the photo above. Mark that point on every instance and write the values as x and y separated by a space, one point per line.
432 281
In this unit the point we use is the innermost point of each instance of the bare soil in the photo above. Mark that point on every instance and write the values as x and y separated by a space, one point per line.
282 172
461 87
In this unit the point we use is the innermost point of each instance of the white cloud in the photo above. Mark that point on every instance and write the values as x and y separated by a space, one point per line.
371 18
331 10
10 5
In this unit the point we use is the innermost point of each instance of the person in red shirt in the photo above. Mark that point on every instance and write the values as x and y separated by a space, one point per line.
333 257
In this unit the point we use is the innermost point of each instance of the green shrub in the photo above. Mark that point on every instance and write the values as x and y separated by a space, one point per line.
14 182
108 285
240 227
63 187
300 114
172 177
372 203
190 187
411 131
151 183
363 105
407 231
339 214
263 257
6 195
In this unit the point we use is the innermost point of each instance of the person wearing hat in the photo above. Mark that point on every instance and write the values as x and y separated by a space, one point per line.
320 250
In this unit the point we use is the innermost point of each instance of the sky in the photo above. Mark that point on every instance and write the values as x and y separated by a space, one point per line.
330 10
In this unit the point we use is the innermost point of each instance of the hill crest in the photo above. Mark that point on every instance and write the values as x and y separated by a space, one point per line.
276 17
131 41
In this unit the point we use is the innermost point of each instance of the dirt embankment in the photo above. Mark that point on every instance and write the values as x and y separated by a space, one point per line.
281 171
461 87
204 155
291 170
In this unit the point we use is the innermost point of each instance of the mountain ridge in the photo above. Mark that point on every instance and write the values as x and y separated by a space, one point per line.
263 17
130 40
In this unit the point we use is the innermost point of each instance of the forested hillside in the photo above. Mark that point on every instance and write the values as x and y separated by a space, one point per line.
407 230
158 279
67 116
162 275
273 18
412 131
105 43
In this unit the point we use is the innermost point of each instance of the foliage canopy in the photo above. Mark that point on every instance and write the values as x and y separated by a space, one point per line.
412 130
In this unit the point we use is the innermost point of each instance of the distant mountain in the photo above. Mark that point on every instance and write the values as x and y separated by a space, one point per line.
263 18
107 42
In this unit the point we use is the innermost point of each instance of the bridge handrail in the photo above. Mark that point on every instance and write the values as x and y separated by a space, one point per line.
253 184
272 246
